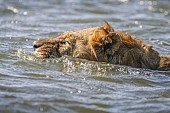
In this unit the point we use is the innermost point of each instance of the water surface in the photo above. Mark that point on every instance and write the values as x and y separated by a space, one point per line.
30 85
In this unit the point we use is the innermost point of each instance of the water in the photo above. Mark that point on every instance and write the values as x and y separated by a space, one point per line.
30 85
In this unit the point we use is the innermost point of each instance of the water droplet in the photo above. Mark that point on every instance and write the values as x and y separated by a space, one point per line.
41 109
25 13
12 21
13 9
141 2
166 13
150 8
123 0
161 10
140 26
136 22
79 91
149 2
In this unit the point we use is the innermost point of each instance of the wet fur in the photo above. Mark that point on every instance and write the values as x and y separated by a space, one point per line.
103 44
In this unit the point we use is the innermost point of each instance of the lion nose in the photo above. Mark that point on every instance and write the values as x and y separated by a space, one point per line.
36 45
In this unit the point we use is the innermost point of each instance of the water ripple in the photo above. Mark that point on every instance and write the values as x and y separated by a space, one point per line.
68 84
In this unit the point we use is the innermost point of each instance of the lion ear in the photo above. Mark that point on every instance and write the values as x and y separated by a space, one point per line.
107 27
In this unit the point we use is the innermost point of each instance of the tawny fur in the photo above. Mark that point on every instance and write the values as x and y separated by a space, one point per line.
103 44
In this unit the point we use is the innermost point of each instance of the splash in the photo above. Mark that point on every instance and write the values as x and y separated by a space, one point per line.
124 1
16 11
85 67
78 66
21 54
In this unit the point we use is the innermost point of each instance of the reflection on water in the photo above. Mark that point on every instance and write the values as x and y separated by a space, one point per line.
68 84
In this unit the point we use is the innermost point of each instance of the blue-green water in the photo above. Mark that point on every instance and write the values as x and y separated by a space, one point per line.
68 85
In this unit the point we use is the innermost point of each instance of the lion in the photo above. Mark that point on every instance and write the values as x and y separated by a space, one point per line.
103 44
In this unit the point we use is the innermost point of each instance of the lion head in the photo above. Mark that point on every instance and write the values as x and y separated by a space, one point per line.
98 44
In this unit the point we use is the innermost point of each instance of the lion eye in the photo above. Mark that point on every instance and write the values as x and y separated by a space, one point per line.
62 42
